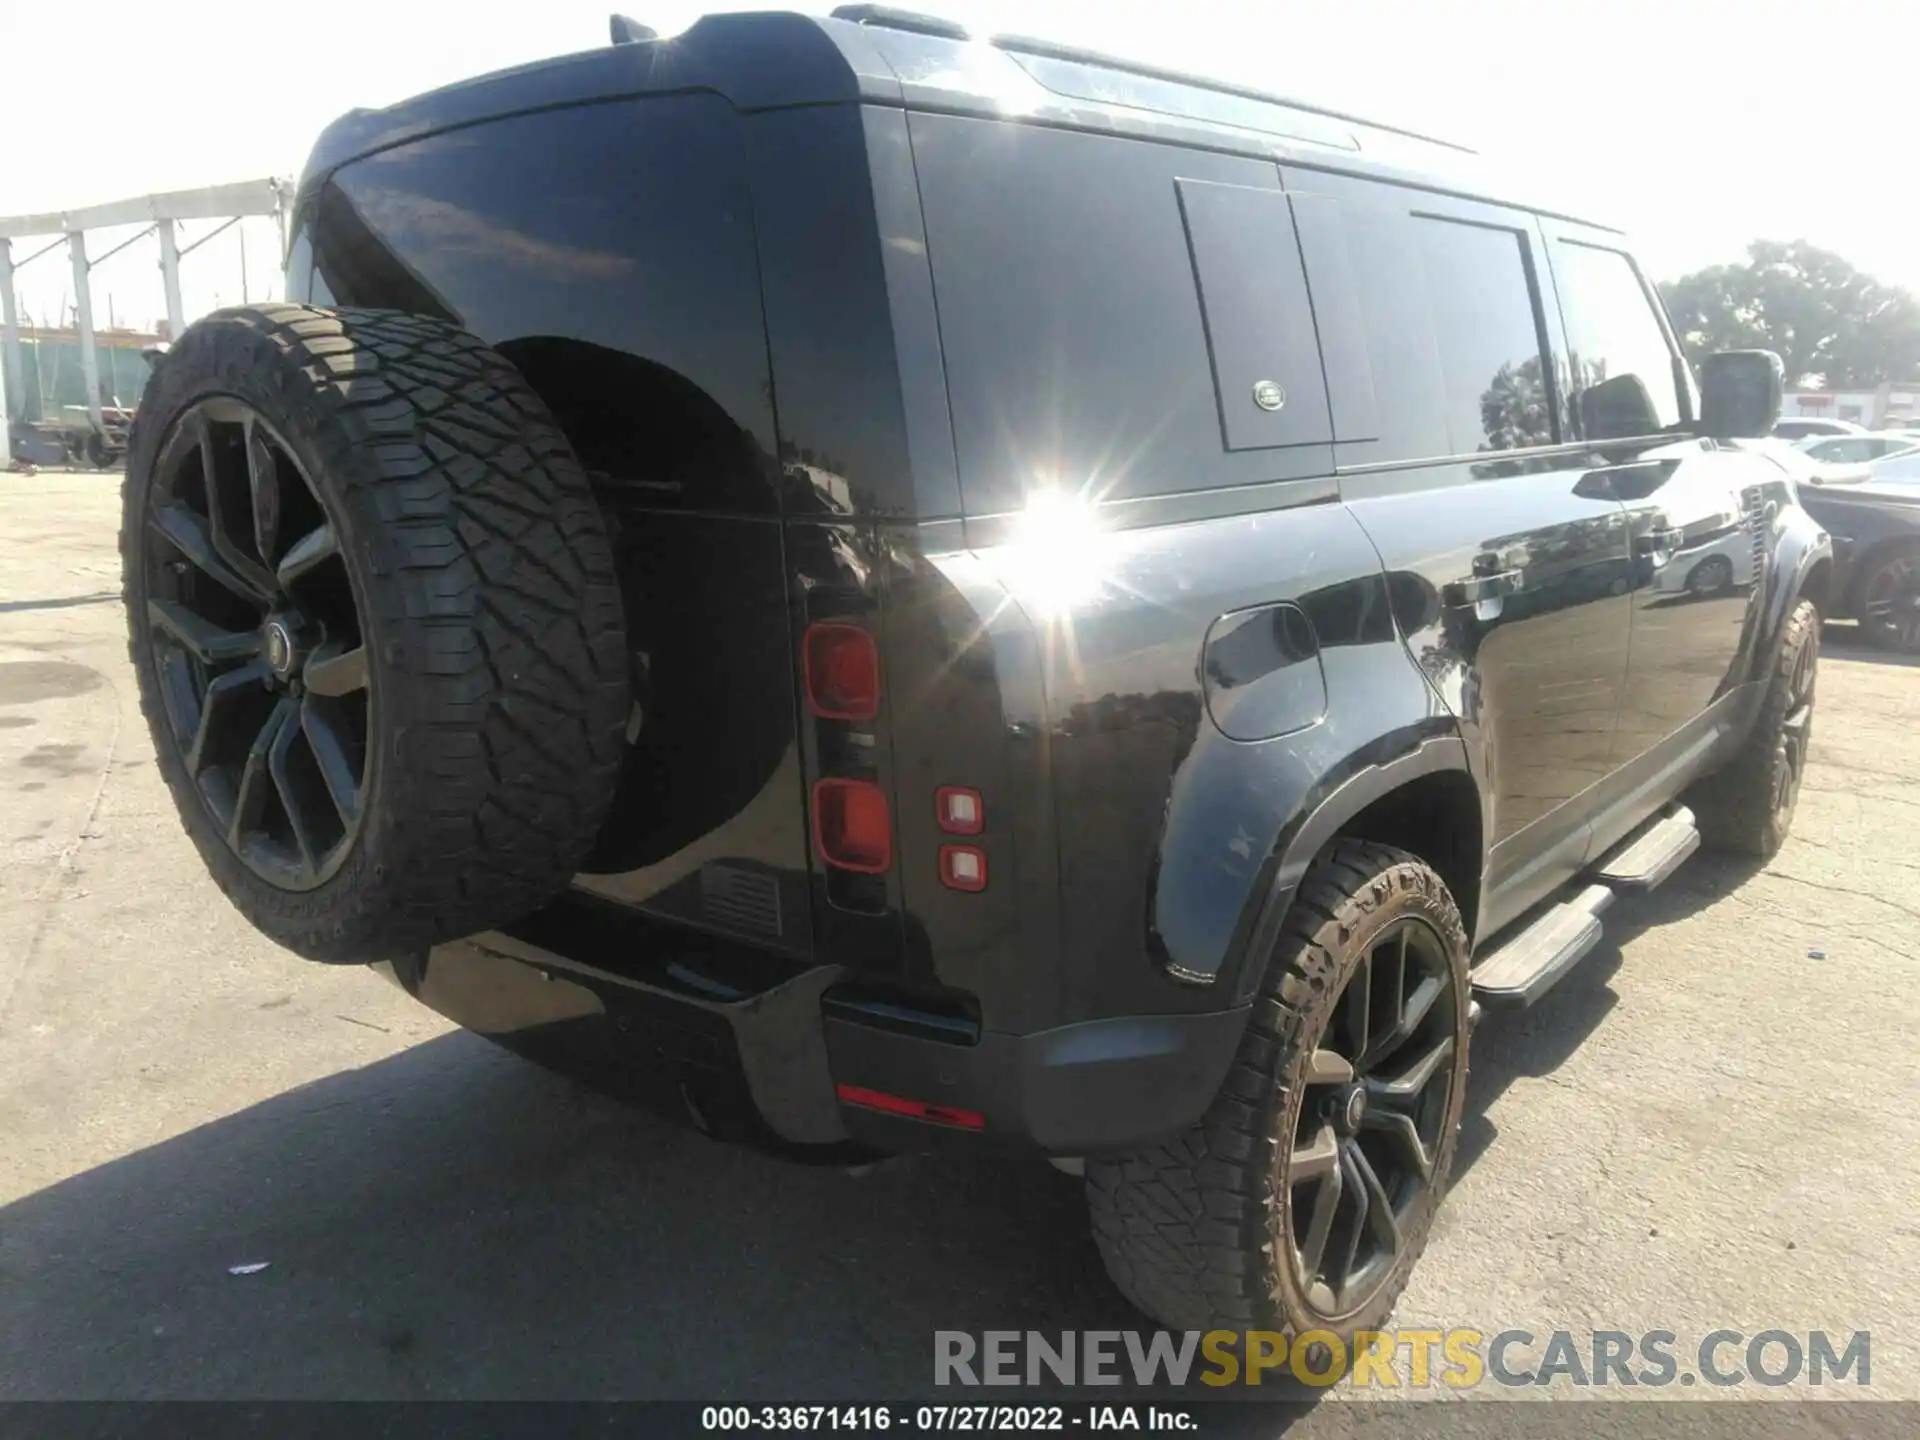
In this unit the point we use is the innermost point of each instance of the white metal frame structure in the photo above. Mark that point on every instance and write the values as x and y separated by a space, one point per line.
160 212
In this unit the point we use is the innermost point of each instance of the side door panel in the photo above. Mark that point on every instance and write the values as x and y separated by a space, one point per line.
1508 560
1693 515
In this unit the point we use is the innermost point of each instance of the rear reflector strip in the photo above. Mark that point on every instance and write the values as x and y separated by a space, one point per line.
959 810
963 867
851 825
913 1109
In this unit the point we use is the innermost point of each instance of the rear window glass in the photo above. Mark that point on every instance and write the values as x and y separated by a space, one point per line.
1441 329
1485 337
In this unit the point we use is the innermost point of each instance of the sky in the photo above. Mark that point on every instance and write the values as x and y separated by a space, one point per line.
1696 124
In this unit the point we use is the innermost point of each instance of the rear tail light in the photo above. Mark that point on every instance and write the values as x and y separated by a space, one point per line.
959 810
963 867
842 667
913 1109
851 825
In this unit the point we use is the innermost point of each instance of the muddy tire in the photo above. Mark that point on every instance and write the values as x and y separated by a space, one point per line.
378 636
1253 1218
1747 807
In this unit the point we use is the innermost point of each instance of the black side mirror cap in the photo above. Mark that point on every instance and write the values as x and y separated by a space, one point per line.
1740 392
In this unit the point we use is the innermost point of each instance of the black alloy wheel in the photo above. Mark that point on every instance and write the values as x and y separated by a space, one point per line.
1379 1090
1796 726
257 638
1890 603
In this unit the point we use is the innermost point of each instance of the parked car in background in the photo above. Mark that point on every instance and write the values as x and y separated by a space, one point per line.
1859 448
1799 427
1875 525
1804 469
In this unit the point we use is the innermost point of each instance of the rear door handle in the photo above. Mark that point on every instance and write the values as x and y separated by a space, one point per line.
1482 587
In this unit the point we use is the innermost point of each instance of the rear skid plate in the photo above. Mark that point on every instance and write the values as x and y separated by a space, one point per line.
1530 962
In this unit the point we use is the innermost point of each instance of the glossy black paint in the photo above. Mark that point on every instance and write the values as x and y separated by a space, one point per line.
1090 394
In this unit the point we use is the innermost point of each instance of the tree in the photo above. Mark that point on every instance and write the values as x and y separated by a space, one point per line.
1825 319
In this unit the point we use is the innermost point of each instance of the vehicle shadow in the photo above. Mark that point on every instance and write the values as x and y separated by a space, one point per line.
455 1223
1843 641
1528 1044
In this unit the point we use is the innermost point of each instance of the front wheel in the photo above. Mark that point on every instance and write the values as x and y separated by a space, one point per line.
1747 808
1302 1198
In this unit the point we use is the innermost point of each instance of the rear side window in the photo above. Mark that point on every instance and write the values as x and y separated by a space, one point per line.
1429 325
1485 335
1612 332
1118 319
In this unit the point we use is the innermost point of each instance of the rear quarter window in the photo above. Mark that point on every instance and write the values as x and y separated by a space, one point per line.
1068 273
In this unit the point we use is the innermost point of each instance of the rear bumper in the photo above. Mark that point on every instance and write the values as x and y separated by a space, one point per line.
765 1063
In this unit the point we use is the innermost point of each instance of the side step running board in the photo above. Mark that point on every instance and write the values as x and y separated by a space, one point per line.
1653 855
1526 966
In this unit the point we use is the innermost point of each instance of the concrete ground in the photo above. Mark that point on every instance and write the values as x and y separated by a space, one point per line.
1707 1125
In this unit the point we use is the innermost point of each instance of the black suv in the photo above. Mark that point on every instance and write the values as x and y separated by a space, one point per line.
891 590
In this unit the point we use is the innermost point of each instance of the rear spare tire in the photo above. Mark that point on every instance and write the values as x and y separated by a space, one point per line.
374 616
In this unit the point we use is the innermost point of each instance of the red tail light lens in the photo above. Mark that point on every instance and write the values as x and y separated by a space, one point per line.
842 667
851 825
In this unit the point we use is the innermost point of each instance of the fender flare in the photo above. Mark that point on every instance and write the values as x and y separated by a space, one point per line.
1802 544
1365 781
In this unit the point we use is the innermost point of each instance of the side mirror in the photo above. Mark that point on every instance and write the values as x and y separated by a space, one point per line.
1740 394
1617 409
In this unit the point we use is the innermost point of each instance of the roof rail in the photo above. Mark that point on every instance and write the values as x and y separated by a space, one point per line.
892 18
1052 50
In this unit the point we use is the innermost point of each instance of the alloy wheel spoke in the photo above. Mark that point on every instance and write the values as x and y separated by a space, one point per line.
332 754
1324 1067
1355 1183
250 801
1404 1091
201 638
304 554
1319 1156
1326 1207
334 671
263 485
1400 1126
277 753
1414 1009
220 494
190 533
1379 1214
1358 1005
221 691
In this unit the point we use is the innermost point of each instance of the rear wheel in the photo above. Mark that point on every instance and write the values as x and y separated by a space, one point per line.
1747 807
373 614
1302 1199
1710 576
1890 602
